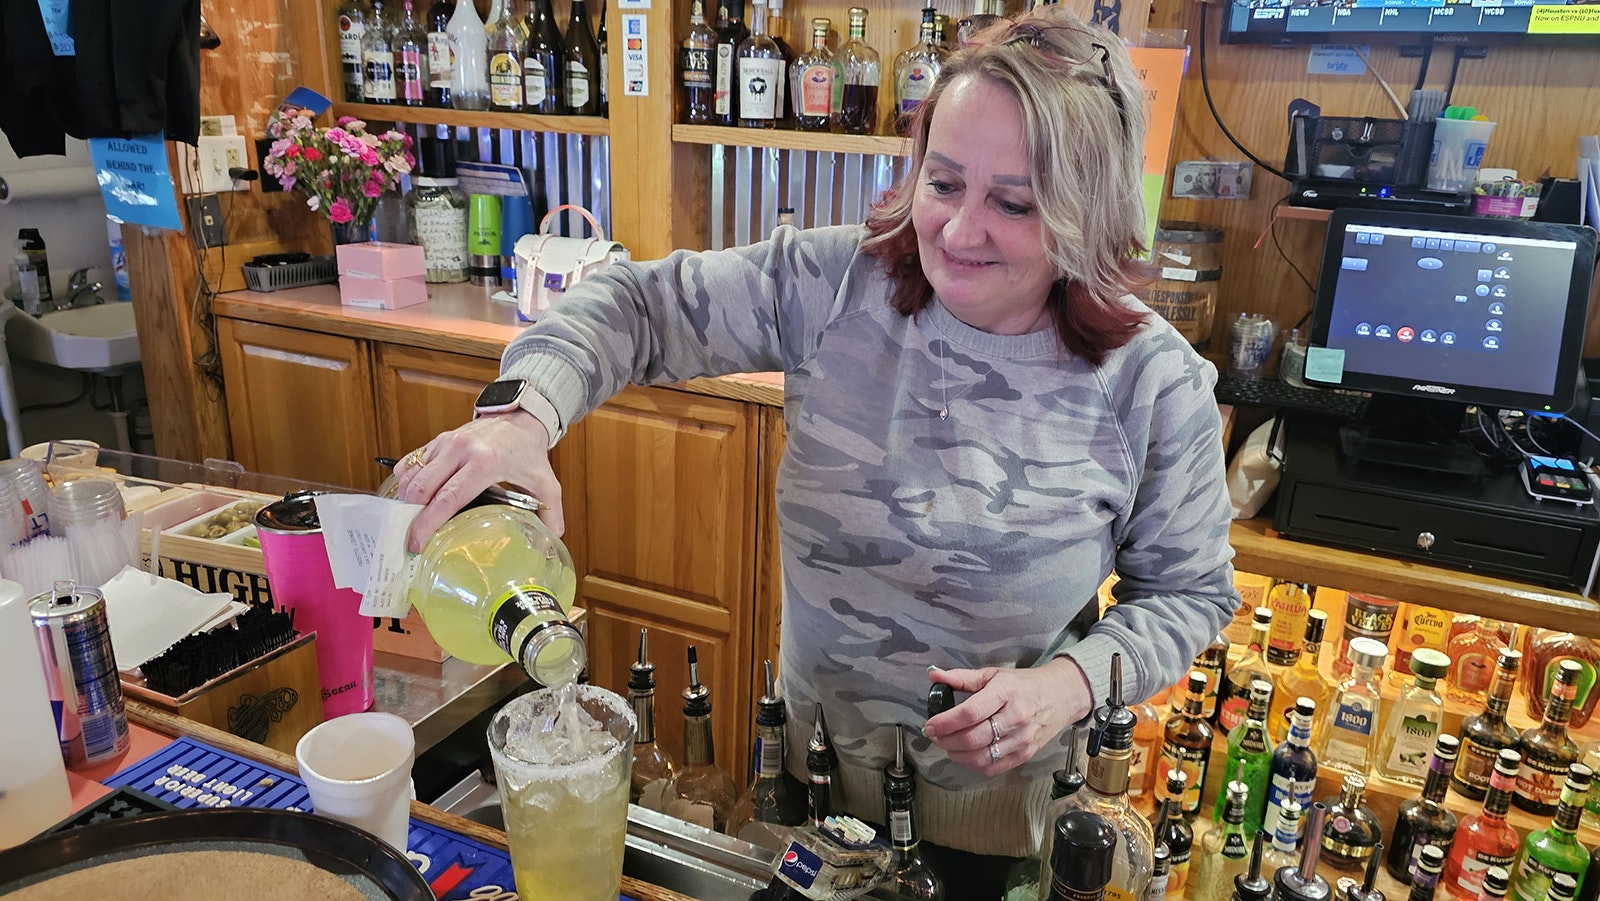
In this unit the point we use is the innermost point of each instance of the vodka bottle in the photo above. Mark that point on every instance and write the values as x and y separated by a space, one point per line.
760 68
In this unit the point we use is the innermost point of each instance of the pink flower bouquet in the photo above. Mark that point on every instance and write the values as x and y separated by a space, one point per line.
343 170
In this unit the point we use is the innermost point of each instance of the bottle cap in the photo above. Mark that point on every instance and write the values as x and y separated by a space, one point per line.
1305 707
1427 663
1316 625
1064 783
1563 887
1085 846
1510 659
1367 652
642 673
1495 881
1197 682
1430 859
1508 761
1262 617
1446 747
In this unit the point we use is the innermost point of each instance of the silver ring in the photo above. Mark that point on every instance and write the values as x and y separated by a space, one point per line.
994 753
995 728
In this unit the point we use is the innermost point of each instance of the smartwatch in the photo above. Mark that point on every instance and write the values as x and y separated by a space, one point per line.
502 396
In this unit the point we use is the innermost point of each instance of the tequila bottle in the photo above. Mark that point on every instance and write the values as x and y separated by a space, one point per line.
544 84
1484 734
652 765
1350 832
815 74
701 792
1547 852
1548 750
770 807
909 876
1414 720
1294 765
1186 745
696 68
582 63
915 71
1224 851
1420 628
377 58
760 74
1350 723
1485 841
1250 759
1425 821
860 71
505 61
1234 694
1303 680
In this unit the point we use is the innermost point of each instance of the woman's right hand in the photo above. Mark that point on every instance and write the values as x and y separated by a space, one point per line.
456 466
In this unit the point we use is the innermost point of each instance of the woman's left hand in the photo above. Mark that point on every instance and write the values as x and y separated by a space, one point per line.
1011 713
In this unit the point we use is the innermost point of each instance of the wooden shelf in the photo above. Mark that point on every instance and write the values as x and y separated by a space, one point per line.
877 145
425 115
1259 549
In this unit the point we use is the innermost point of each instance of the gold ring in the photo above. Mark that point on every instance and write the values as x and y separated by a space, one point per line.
415 457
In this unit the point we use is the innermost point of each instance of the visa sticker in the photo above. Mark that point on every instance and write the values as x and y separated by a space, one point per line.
1325 364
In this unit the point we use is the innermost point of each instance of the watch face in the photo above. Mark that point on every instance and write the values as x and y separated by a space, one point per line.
500 394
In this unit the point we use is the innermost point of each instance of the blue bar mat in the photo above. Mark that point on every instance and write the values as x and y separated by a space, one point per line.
190 774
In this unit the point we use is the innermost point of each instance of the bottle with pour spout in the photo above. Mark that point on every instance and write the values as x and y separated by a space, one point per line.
652 765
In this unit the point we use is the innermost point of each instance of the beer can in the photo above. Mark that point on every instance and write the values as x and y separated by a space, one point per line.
81 672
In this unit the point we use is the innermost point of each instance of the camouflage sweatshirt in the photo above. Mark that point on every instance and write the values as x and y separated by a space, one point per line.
909 538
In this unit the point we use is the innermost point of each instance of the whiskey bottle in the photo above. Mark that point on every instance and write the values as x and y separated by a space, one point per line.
1473 653
731 32
1186 746
1350 832
1224 851
410 58
860 71
1290 603
1485 841
770 808
1546 650
652 765
760 73
696 69
1425 821
1303 680
582 63
1547 852
701 792
1234 694
352 25
544 87
915 71
1548 750
1484 734
1250 758
1174 831
1414 720
377 58
505 61
1294 765
440 57
1426 880
815 73
1350 723
821 763
1303 883
909 876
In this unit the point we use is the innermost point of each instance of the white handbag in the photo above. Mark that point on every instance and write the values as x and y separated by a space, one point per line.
548 265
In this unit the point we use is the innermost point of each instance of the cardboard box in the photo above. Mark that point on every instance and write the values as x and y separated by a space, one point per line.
378 260
382 294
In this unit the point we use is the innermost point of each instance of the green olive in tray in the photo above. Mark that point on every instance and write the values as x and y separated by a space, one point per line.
224 522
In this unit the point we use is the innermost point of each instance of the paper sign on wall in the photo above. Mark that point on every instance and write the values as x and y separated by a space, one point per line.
135 180
635 56
1337 59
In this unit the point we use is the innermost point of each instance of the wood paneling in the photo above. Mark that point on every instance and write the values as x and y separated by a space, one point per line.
424 392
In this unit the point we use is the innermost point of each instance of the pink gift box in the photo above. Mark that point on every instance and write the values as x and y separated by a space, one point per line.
381 294
377 260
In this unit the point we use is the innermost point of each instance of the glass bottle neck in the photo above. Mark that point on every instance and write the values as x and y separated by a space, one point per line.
697 13
1437 782
858 31
1258 639
1107 774
644 710
1568 812
1559 711
758 19
697 747
1307 664
769 751
819 41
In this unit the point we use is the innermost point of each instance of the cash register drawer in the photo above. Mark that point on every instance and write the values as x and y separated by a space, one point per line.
1535 550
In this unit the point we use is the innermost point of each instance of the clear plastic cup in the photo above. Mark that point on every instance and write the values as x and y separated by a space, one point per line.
12 528
83 502
28 479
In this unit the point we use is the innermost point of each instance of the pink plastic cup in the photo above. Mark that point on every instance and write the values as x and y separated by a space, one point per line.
302 582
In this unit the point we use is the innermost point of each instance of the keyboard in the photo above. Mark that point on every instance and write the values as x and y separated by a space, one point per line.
1284 396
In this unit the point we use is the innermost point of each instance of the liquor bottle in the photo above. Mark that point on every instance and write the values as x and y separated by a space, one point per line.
410 58
377 58
778 30
1425 821
1589 756
1414 720
441 59
701 792
915 71
983 15
1420 628
1213 660
1350 833
1024 875
652 765
1484 734
760 69
1485 840
1367 890
1186 746
1294 765
1473 653
909 876
1563 888
1303 680
505 60
1224 851
725 66
946 33
1546 649
1253 884
544 83
582 63
1548 750
860 70
1302 883
438 210
1285 848
1546 852
696 68
1148 736
1350 722
1105 793
352 27
1233 696
602 38
1160 872
1496 884
1172 829
1426 881
1290 603
770 807
1086 846
1250 758
815 73
469 76
821 763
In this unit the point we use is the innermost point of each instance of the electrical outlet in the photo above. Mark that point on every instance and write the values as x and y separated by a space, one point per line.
217 153
205 216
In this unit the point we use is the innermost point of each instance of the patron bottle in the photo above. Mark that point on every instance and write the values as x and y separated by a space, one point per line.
377 57
1294 765
771 807
1548 750
1303 883
1414 720
1425 821
1484 734
860 71
1250 758
815 73
760 73
544 83
1303 680
1187 746
701 792
696 71
582 63
731 32
652 765
1224 850
1547 852
1350 724
1234 695
1350 831
352 27
1290 603
1547 648
1172 829
441 59
915 71
821 763
1485 840
505 60
909 876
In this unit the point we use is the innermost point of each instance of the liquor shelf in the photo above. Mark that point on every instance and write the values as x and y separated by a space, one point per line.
427 115
826 142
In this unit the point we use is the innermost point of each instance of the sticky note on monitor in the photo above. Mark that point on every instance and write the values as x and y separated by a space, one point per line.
1325 364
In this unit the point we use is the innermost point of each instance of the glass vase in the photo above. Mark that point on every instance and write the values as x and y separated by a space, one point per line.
356 231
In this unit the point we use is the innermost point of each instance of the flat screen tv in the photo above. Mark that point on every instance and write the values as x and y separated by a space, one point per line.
1409 21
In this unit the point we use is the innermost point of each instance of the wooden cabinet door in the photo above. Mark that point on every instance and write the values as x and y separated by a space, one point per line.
300 403
662 488
424 392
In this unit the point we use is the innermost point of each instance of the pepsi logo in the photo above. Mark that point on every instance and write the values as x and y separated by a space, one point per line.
790 858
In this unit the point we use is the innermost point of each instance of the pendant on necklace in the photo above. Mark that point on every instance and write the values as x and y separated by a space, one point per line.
945 413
